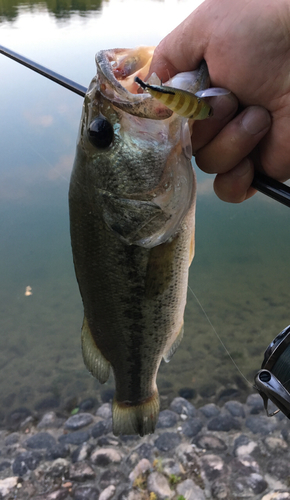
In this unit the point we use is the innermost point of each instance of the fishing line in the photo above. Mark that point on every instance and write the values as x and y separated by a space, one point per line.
219 338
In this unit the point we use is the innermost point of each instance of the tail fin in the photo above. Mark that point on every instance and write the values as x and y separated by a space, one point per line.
140 419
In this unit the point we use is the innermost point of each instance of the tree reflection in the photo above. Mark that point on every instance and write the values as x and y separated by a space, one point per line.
59 8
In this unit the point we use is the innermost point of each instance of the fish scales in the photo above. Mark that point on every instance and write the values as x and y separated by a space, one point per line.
132 207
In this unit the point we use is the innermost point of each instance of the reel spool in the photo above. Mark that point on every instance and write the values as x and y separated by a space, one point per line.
273 380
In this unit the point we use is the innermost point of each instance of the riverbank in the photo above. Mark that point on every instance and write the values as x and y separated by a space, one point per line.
230 452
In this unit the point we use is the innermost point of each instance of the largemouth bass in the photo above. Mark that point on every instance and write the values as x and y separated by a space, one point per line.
132 220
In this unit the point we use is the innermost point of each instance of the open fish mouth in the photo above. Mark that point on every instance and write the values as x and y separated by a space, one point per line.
117 71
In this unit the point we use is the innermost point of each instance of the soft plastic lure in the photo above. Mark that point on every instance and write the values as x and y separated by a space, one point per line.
182 102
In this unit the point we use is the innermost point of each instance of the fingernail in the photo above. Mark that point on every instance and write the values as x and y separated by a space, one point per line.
242 168
255 120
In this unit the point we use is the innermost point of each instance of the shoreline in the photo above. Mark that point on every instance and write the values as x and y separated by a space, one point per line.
211 453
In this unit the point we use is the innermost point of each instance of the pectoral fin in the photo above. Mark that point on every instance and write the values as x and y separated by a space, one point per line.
136 222
168 355
93 358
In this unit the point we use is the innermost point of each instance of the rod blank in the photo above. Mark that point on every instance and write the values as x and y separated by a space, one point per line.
51 75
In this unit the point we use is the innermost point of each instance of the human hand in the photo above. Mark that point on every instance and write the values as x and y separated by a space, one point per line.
246 45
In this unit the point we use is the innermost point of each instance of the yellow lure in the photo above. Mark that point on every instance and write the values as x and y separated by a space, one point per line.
180 101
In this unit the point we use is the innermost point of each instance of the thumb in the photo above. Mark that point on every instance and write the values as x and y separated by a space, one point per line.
184 48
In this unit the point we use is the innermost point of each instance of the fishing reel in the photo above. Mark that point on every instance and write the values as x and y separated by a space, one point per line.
273 380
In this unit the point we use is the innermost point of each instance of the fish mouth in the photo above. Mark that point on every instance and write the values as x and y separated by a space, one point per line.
117 70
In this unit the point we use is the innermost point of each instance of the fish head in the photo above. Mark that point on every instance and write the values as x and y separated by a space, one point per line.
135 152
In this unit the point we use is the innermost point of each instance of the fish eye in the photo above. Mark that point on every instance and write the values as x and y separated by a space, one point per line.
100 133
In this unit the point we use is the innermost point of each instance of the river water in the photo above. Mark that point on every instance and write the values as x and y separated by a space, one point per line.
240 274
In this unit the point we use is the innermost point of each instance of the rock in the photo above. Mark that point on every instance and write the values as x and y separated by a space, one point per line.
112 476
78 421
99 429
223 422
140 468
279 468
87 404
183 407
77 437
50 420
255 402
158 484
26 461
60 494
189 490
167 418
42 440
210 442
213 466
261 424
86 493
145 450
228 394
210 410
107 395
235 408
129 494
187 393
16 417
275 445
277 495
7 484
243 445
105 456
58 468
220 489
4 465
82 452
191 427
12 439
57 451
47 404
105 411
245 487
81 472
107 493
167 441
108 441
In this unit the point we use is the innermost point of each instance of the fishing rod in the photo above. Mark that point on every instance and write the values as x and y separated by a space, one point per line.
266 185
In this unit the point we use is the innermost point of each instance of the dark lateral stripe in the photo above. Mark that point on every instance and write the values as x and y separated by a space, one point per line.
180 102
162 90
191 108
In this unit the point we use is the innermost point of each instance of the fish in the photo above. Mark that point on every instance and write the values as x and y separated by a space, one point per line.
132 220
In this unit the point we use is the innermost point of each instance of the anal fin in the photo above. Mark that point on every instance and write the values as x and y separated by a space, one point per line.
139 419
93 358
168 355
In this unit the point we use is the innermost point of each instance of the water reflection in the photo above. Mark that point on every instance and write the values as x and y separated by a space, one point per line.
61 9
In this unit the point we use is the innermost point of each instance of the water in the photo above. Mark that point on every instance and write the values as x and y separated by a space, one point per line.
241 269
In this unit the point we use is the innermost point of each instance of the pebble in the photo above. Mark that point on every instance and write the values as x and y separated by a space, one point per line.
167 441
223 422
211 453
42 440
191 427
189 490
183 407
105 456
167 418
78 421
7 484
158 484
77 437
210 410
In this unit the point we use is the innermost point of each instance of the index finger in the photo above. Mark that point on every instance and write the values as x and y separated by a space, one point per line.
181 50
